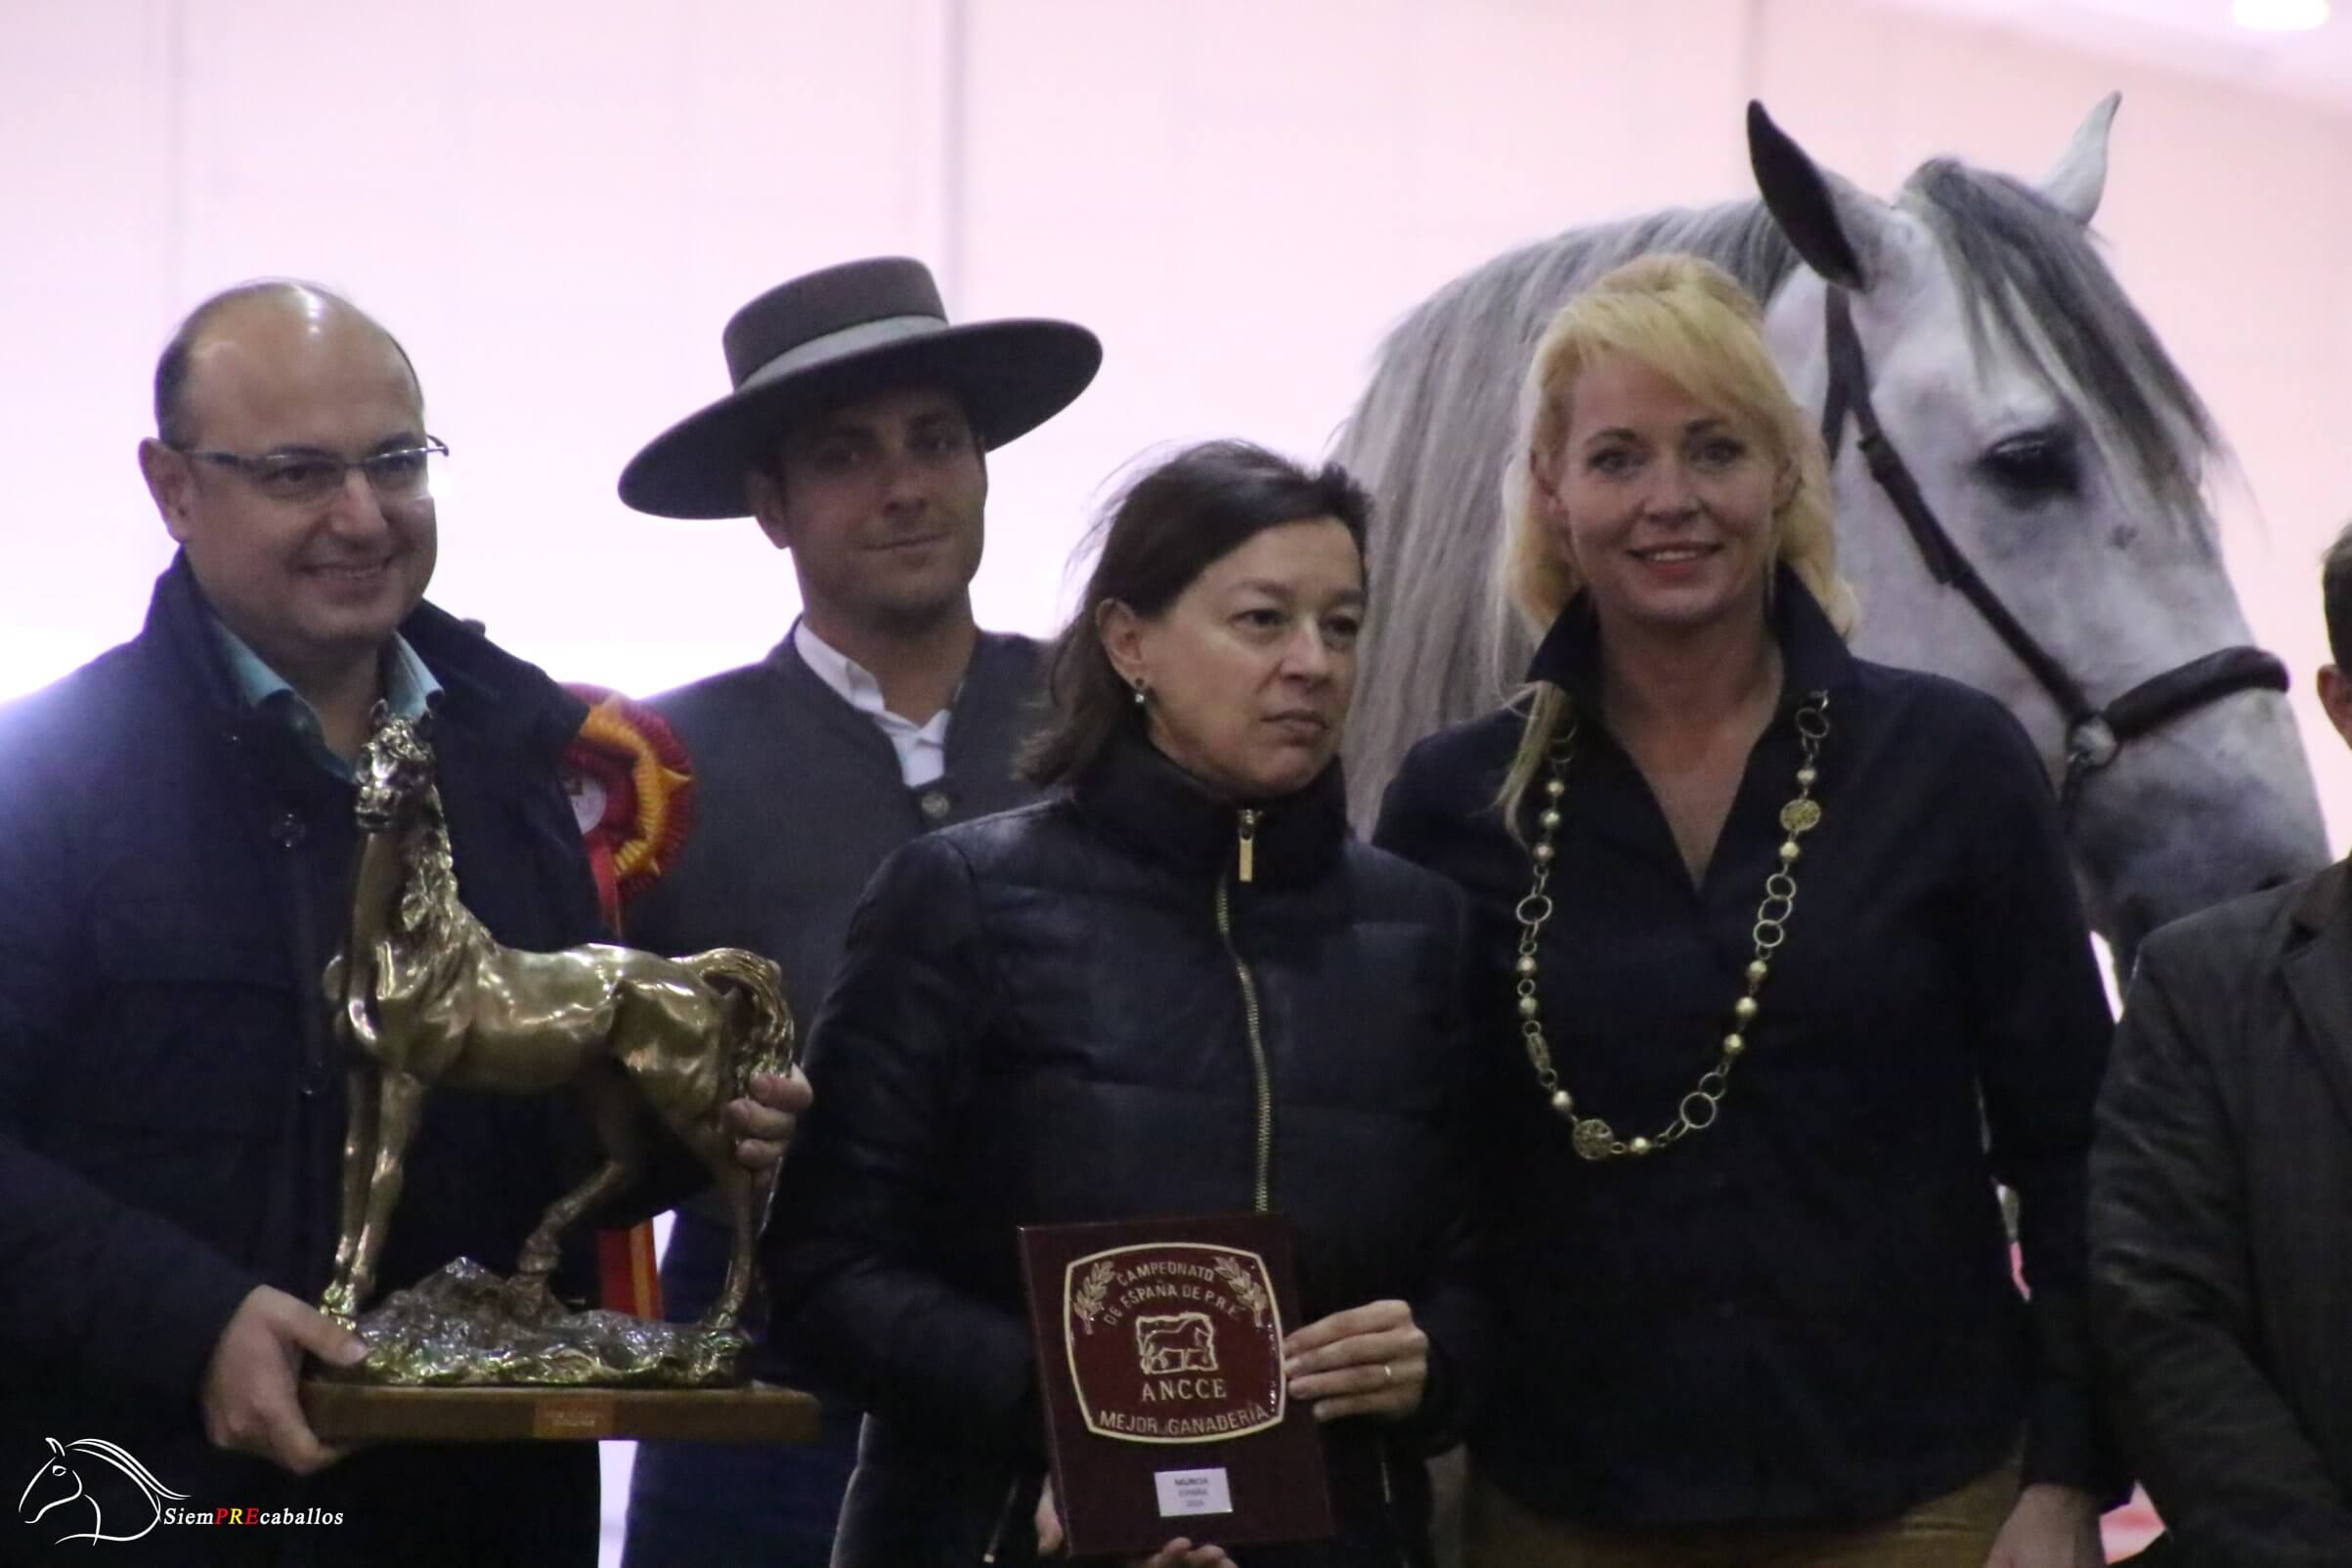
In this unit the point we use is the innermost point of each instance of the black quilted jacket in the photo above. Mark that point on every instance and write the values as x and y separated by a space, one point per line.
1039 1019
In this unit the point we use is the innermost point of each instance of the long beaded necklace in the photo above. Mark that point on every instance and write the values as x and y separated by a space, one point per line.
1594 1138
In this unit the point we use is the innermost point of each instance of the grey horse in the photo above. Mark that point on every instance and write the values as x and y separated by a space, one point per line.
2056 452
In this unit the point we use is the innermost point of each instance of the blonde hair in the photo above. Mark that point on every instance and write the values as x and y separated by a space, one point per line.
1693 323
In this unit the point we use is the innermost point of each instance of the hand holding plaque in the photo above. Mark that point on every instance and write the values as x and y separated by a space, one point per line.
1178 1552
1372 1360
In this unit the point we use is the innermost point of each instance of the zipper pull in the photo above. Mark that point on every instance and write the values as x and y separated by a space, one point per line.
1249 843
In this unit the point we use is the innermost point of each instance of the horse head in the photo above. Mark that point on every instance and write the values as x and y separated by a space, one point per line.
55 1483
395 768
59 1482
2059 452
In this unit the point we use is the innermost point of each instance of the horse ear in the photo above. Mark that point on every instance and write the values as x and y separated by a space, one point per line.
1837 227
54 1446
2080 177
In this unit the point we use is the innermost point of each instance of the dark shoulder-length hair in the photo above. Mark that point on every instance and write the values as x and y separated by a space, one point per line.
1157 535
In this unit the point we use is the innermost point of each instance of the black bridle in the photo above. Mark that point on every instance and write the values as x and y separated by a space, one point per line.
2094 734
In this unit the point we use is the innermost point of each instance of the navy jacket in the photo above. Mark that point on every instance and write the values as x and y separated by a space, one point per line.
171 1106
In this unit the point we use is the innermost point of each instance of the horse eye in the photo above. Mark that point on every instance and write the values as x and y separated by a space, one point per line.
2034 466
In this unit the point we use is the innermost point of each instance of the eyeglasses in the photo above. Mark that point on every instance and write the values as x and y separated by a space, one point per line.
305 474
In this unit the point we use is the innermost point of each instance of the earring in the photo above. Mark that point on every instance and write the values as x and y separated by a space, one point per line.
1143 691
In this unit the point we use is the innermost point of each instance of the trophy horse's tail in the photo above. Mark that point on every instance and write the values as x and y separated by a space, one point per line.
766 1046
757 985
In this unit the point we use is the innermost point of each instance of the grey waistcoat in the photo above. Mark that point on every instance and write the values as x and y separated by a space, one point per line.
798 798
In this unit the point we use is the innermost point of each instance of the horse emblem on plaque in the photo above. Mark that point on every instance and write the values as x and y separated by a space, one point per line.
1177 1342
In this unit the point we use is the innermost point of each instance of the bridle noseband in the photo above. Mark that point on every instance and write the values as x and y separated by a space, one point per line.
2095 735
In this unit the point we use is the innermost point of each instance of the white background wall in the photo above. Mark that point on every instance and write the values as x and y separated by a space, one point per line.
556 203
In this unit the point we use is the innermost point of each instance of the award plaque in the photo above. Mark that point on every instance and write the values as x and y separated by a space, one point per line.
1160 1355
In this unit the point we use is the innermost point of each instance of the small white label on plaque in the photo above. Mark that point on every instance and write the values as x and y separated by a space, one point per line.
1188 1492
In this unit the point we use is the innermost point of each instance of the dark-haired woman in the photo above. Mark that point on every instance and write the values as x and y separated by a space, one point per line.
1176 986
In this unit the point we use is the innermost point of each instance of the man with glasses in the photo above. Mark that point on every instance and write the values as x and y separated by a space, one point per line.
176 836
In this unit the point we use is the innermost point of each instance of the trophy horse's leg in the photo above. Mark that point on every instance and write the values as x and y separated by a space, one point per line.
611 1102
399 1099
359 1154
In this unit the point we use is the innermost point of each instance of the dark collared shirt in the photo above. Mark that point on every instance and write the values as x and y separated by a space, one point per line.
1806 1312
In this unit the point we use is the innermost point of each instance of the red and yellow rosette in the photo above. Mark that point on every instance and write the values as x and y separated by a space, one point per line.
632 789
632 793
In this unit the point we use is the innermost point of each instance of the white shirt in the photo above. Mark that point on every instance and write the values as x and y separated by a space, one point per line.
922 747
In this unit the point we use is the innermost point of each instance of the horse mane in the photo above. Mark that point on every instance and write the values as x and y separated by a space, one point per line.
438 934
138 1473
429 890
1430 437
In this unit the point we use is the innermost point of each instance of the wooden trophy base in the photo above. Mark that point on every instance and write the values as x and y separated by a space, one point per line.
372 1413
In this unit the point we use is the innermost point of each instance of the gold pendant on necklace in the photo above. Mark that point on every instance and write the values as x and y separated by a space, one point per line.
1800 815
1594 1139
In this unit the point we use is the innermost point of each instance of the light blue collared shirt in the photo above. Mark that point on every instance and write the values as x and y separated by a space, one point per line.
409 690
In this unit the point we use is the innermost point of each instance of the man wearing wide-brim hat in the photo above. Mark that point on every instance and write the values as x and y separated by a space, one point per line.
856 436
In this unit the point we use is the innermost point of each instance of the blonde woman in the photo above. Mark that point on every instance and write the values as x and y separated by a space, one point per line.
1769 940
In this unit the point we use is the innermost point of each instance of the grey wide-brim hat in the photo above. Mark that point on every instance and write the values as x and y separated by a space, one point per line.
833 337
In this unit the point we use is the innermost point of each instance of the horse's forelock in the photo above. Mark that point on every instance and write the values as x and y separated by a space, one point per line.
2029 274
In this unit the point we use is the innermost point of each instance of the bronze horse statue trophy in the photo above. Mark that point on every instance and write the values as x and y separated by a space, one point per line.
425 997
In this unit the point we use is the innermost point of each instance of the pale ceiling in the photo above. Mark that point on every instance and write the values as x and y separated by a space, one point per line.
2195 36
